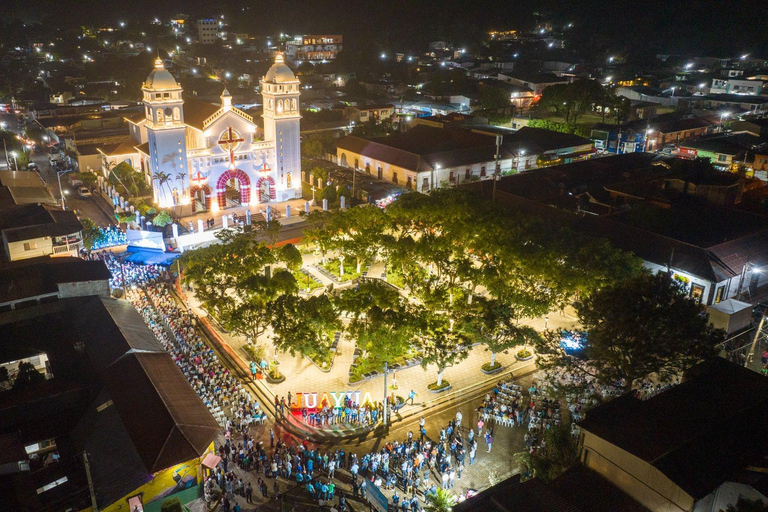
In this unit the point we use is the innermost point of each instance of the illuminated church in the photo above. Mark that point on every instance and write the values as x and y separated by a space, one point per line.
210 157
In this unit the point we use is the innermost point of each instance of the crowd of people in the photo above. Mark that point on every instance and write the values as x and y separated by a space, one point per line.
109 237
412 468
174 327
126 275
350 414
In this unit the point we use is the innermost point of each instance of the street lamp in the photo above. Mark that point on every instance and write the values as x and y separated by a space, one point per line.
722 116
61 192
15 162
747 268
648 131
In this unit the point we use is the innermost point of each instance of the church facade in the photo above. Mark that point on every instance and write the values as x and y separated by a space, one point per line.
210 157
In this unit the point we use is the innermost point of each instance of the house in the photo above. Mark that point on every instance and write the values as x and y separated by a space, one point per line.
695 447
424 157
313 48
32 230
363 114
721 152
113 413
749 87
536 82
427 156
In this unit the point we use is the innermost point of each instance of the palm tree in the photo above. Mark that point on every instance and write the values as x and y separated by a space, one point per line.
111 170
163 178
442 501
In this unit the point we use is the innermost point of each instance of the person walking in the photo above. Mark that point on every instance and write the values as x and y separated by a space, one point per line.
489 441
271 438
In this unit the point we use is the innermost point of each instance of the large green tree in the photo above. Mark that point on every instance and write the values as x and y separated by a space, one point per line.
642 326
442 343
358 232
303 326
382 321
493 324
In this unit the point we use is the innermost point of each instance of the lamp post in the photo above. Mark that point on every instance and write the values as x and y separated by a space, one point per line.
648 131
723 115
15 162
749 266
61 191
435 171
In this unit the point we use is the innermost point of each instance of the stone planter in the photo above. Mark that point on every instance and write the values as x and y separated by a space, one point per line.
497 369
278 380
446 386
527 358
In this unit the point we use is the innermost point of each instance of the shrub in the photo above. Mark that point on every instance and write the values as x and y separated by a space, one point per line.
171 505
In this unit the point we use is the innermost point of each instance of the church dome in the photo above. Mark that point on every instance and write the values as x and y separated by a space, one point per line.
160 78
279 72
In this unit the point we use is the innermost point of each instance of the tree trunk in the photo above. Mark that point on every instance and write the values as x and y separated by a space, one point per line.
469 298
358 265
493 359
439 378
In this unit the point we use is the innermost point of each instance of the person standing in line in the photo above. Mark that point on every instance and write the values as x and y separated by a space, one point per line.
249 493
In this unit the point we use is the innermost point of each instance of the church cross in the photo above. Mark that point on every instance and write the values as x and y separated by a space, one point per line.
229 144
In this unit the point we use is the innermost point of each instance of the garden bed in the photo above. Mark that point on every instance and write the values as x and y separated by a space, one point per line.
444 386
490 370
350 269
395 277
368 368
524 355
304 281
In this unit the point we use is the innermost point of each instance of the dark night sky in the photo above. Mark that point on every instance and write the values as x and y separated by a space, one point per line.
713 27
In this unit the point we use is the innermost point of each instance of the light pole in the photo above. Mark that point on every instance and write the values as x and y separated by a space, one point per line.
435 171
723 115
747 267
648 131
15 162
61 191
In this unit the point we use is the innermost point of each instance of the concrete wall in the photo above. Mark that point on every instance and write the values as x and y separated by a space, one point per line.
84 289
37 247
634 476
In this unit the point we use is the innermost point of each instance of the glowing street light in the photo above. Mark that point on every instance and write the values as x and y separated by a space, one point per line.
383 55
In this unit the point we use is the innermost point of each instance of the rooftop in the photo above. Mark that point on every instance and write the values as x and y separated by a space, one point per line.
40 276
30 221
95 347
25 187
699 433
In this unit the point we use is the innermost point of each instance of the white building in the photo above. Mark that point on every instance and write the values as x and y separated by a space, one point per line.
736 86
207 156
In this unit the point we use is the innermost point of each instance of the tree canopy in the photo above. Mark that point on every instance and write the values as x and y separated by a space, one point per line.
642 326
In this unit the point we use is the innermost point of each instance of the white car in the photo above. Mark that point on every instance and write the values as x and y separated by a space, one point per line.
83 192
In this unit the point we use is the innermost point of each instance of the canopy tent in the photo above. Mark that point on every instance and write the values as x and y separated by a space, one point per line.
145 256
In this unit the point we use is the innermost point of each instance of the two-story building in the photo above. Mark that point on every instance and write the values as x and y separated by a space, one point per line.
32 230
363 114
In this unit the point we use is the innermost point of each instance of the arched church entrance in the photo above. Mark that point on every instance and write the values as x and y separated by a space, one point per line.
233 188
201 198
266 188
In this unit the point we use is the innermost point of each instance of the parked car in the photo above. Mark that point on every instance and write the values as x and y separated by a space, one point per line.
83 192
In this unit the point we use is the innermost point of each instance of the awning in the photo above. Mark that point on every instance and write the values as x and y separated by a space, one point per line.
211 460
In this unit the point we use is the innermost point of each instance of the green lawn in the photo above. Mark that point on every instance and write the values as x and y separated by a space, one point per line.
305 281
350 269
370 364
395 277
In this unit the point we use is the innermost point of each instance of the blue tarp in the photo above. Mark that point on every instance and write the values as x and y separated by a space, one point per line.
144 256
